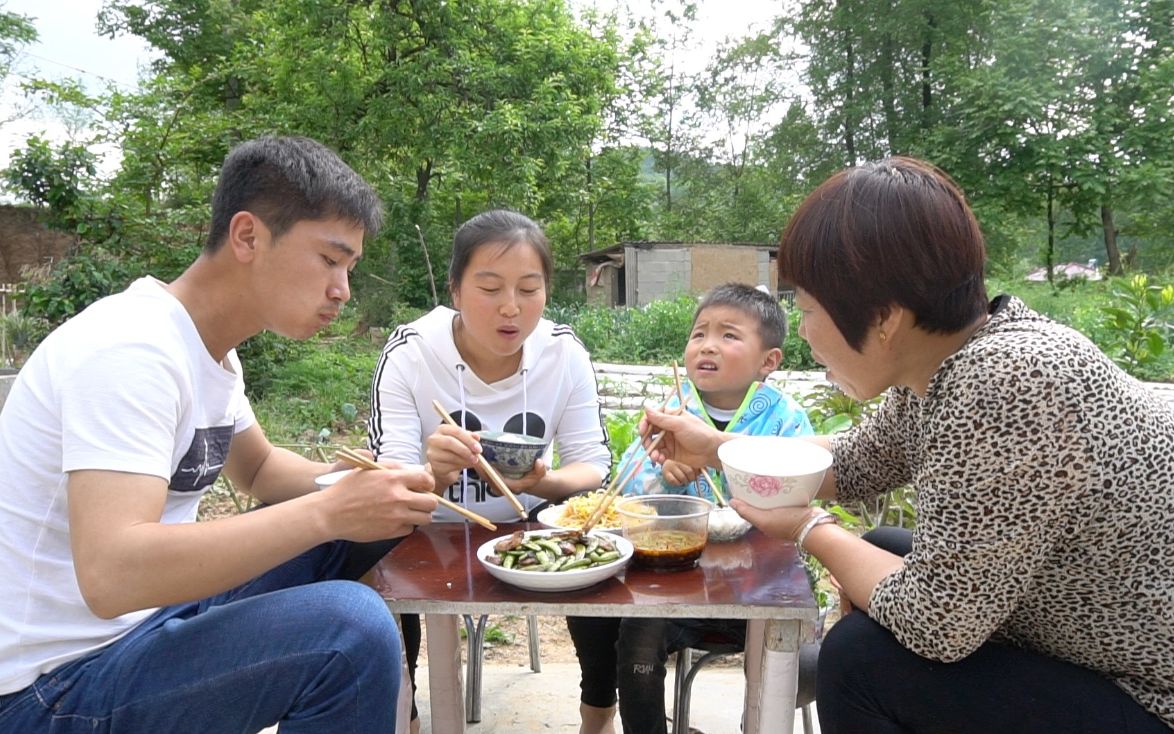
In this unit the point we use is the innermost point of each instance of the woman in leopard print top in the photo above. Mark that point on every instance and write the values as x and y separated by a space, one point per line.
1037 591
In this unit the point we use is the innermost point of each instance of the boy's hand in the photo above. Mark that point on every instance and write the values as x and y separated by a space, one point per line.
677 473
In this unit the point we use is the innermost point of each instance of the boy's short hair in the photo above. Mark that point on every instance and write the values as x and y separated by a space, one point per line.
285 180
771 321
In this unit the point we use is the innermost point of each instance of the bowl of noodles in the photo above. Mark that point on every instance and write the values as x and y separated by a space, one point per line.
571 514
668 531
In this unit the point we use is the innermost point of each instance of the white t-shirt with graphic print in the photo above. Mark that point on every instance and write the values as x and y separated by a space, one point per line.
125 386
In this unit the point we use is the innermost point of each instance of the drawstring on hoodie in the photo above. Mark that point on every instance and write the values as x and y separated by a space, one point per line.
464 413
525 402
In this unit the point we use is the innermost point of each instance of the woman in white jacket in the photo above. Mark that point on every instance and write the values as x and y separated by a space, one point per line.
495 364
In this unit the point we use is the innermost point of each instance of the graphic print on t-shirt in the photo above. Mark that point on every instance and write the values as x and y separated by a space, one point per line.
535 427
204 459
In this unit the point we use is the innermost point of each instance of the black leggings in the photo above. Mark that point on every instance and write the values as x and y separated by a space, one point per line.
867 682
629 654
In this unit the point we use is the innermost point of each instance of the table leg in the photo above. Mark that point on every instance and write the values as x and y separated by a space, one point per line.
772 675
444 674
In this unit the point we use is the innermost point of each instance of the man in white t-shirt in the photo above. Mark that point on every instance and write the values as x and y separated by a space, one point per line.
119 612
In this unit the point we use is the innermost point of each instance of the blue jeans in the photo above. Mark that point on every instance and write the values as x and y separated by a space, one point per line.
295 646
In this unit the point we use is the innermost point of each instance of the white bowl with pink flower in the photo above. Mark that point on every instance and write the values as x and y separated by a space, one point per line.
774 471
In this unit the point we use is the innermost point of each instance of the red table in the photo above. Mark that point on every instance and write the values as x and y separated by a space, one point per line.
434 572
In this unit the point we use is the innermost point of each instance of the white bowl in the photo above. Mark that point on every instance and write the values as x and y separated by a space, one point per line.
556 580
774 471
550 516
725 524
326 480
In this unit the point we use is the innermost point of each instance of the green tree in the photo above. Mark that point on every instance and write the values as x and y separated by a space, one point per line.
16 31
56 177
446 107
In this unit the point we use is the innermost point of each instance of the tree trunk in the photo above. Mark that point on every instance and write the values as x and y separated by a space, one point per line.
850 76
931 25
423 178
668 146
590 205
1111 248
888 102
1050 254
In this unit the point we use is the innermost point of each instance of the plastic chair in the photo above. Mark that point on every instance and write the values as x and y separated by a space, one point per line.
474 659
687 669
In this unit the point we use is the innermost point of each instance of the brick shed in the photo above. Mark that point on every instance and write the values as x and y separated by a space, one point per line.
637 273
27 243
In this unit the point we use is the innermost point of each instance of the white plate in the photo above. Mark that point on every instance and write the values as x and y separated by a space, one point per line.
580 578
326 480
550 518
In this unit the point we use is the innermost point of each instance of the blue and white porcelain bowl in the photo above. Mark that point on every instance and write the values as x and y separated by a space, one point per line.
512 454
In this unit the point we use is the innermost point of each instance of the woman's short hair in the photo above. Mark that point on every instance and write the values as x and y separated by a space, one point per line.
497 226
894 232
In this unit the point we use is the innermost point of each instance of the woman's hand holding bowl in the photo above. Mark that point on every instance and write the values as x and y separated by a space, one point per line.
781 523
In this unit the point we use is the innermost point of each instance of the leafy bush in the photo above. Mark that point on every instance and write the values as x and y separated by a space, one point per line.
657 333
1140 323
263 358
74 283
796 350
19 336
621 428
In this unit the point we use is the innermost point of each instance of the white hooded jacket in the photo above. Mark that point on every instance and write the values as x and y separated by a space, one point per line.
553 395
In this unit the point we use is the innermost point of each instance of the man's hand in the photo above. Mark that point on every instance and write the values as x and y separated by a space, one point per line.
677 473
374 505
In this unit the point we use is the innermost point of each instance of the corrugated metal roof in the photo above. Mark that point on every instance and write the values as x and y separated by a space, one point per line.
606 252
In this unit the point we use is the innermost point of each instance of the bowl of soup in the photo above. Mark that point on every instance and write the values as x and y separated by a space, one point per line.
774 471
668 532
512 454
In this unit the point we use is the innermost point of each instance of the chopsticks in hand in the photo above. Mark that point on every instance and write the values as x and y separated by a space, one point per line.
359 461
617 484
483 466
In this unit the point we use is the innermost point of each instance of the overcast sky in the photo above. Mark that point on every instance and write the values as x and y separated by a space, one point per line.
68 47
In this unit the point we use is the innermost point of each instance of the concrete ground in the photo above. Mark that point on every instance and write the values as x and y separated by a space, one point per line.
514 699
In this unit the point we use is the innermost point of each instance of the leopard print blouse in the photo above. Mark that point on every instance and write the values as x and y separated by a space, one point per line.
1045 492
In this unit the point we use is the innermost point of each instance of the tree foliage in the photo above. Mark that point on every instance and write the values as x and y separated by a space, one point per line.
1054 115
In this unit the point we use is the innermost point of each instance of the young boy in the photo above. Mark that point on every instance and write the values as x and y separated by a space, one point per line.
735 342
119 612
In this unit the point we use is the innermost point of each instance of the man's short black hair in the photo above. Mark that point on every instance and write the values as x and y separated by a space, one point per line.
285 180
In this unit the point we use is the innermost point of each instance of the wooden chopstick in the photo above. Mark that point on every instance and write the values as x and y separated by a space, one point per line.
717 493
484 468
704 472
362 462
677 379
616 485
